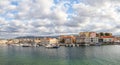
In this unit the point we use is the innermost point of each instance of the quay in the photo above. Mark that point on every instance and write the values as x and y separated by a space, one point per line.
82 39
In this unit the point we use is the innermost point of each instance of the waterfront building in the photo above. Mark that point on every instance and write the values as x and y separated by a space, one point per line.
68 39
93 34
2 41
87 38
117 39
21 40
49 41
37 40
15 41
90 40
85 34
108 38
53 41
10 41
45 40
78 39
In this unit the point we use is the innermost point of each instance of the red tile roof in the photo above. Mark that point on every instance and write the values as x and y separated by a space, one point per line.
107 36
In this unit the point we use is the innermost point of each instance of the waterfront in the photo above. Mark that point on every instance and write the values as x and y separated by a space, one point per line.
89 55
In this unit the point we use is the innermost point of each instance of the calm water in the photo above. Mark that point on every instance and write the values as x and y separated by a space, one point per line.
99 55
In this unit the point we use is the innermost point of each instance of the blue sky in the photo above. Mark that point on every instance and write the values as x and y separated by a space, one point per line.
54 17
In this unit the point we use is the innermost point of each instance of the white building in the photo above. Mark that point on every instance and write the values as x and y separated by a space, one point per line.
68 41
49 41
107 38
117 39
53 41
3 42
78 40
44 41
37 40
92 40
16 40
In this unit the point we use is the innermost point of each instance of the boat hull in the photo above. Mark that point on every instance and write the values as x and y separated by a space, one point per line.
52 46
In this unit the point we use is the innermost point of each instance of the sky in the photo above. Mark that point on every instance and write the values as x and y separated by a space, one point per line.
55 17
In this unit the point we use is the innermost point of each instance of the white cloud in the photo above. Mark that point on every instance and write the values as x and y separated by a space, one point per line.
102 17
33 17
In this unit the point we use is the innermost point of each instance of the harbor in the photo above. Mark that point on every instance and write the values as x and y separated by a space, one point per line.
90 55
82 39
59 32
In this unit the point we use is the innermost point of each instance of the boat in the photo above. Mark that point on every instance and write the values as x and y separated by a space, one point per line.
14 45
26 45
87 44
52 46
97 44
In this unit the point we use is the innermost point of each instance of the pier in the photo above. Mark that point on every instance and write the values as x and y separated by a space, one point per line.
71 45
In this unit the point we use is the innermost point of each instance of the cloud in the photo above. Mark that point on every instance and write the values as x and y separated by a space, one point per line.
102 17
47 17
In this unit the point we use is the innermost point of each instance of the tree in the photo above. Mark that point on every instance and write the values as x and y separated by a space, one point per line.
62 41
101 34
107 34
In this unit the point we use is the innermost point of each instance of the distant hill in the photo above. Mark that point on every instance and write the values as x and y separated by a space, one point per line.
50 36
36 37
116 35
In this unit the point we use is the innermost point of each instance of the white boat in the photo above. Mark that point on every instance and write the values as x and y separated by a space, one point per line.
87 44
14 45
26 45
52 46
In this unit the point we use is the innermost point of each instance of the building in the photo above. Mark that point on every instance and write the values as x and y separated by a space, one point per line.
88 34
49 41
78 39
108 38
68 39
10 41
2 41
53 41
45 40
84 34
92 34
117 39
15 41
87 37
90 40
37 40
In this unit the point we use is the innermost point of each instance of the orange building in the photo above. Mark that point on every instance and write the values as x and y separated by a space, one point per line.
68 39
88 34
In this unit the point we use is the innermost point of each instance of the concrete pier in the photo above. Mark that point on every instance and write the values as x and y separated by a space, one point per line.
72 45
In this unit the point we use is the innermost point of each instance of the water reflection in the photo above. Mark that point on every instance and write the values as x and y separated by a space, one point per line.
91 55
